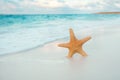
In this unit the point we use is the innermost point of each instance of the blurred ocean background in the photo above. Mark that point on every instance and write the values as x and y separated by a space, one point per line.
23 32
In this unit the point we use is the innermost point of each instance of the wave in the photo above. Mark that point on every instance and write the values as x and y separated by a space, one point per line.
24 32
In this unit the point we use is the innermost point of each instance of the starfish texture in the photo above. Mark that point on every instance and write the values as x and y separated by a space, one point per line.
75 45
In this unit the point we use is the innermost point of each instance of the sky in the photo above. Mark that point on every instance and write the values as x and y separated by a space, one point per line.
57 6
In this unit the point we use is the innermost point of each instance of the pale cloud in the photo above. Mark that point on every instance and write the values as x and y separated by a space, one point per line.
6 7
42 3
47 6
86 4
49 3
117 5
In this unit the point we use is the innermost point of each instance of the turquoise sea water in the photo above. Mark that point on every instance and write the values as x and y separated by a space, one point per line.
22 32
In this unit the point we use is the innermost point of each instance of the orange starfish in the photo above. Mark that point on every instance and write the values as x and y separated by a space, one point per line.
75 45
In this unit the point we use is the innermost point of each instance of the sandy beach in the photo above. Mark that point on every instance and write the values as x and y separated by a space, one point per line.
38 39
49 62
108 13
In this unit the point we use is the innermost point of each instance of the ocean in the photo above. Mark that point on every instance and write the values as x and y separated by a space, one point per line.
24 32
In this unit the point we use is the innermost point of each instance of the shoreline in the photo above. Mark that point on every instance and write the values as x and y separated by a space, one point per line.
107 13
82 33
50 63
93 33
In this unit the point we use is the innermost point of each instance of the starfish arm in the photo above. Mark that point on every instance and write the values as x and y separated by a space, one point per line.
72 36
70 54
82 52
66 45
85 39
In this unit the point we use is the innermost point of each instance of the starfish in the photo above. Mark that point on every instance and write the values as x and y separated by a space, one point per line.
75 45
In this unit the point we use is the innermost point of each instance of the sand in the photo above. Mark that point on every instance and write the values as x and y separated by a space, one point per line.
50 63
107 13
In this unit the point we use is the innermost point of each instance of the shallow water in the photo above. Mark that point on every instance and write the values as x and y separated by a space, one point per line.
22 32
